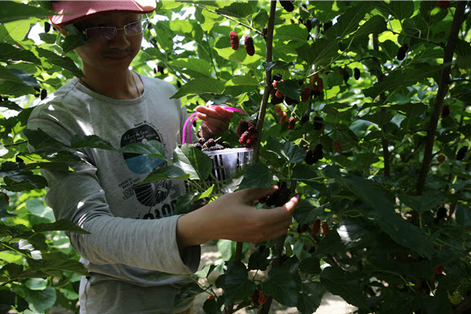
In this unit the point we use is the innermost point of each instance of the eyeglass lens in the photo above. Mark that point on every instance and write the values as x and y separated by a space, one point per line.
110 33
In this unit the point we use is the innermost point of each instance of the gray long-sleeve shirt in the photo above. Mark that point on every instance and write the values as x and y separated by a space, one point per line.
133 228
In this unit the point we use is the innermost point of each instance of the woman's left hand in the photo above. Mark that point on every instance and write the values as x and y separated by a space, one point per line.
215 120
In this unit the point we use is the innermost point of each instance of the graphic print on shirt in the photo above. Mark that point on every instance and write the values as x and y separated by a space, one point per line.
154 193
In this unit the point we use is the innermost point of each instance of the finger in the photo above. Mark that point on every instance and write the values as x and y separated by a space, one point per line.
291 205
251 194
226 114
214 126
277 214
207 111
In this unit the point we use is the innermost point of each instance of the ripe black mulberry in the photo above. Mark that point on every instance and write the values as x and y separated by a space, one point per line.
249 47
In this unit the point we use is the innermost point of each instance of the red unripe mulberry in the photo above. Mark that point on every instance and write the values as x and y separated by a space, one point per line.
234 40
305 94
279 94
291 123
324 228
338 147
284 117
279 111
443 4
249 47
441 158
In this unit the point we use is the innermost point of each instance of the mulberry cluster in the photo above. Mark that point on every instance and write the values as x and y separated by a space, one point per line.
313 156
209 144
279 197
249 137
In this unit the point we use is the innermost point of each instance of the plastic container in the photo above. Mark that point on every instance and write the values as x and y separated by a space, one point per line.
227 163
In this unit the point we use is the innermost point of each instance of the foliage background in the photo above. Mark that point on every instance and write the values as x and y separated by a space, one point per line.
395 213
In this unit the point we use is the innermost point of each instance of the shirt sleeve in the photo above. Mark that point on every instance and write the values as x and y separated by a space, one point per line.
78 196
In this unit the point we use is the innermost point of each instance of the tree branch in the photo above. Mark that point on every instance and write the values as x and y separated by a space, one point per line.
442 91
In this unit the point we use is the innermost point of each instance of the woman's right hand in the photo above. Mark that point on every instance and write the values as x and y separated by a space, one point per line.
233 217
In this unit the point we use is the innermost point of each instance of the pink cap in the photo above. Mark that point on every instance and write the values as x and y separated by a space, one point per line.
74 11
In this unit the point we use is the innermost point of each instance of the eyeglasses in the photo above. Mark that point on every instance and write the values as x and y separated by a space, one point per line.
109 33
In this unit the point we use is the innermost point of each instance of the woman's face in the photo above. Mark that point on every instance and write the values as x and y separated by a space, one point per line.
102 54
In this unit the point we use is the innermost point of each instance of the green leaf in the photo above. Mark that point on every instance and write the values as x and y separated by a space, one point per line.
196 65
373 25
310 265
321 53
282 285
63 62
41 300
166 173
331 244
152 148
463 215
24 182
71 42
60 225
12 11
310 297
345 285
256 175
15 89
193 162
380 118
423 203
259 260
290 88
90 141
237 9
307 211
400 230
399 9
238 286
187 293
297 32
243 80
205 271
348 22
18 76
200 86
288 151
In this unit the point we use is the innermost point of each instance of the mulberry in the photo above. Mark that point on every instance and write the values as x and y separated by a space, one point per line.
242 127
291 123
445 111
249 47
316 227
356 74
305 94
234 40
287 5
401 53
318 125
249 137
338 147
461 153
310 159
